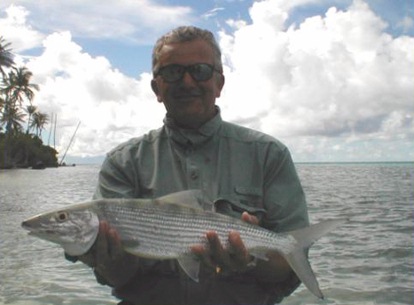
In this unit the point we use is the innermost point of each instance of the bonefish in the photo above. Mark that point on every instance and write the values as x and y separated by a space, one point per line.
167 227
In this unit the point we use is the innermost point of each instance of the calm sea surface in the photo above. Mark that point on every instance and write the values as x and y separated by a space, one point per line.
370 260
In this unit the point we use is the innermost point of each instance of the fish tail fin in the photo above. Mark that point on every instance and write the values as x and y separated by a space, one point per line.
297 258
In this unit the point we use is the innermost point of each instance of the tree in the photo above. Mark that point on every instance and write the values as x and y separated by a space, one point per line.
30 111
6 61
6 56
19 148
17 86
2 103
39 121
13 118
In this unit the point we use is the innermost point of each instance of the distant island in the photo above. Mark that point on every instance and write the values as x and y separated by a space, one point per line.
21 122
25 151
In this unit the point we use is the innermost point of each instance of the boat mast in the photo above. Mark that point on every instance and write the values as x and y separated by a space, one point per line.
71 140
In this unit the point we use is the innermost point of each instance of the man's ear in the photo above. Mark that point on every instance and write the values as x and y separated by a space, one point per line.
220 84
156 90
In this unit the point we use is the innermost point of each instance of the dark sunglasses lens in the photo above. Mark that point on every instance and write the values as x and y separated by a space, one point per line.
201 72
172 73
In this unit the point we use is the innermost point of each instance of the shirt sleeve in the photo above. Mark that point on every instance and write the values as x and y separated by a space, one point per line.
284 198
115 180
286 207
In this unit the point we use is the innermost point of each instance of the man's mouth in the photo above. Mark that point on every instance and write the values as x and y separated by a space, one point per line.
186 96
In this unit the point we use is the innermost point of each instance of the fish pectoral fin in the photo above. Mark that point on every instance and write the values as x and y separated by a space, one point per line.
260 254
191 265
131 246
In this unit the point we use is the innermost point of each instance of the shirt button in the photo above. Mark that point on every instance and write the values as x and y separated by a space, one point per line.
194 175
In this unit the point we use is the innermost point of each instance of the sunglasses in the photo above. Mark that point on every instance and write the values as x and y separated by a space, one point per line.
174 73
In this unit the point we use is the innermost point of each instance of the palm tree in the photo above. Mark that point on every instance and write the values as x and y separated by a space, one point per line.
30 110
39 121
17 86
6 56
13 118
2 103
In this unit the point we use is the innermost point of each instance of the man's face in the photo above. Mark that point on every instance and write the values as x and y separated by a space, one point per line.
191 103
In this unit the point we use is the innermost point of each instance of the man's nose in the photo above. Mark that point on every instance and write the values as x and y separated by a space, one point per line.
187 78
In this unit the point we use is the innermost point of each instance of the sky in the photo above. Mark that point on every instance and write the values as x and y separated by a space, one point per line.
333 80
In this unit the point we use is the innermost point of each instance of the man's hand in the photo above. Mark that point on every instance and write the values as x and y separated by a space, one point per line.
234 257
112 265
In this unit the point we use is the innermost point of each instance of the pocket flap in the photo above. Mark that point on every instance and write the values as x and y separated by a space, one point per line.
248 191
228 206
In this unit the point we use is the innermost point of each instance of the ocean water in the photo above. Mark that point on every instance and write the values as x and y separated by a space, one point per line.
369 260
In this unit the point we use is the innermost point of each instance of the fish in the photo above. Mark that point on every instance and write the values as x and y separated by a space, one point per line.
166 228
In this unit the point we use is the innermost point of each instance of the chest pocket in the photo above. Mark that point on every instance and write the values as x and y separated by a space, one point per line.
243 199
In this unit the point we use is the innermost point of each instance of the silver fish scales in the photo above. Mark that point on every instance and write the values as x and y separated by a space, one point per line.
166 228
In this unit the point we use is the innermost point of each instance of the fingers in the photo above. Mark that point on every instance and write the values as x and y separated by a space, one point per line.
101 245
108 244
114 244
232 257
238 251
217 251
208 253
250 218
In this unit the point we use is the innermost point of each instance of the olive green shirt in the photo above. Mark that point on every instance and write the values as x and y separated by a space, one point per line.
238 168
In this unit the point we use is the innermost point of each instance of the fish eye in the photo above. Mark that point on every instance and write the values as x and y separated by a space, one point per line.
61 216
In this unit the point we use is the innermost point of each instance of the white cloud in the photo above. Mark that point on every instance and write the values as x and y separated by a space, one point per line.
334 87
212 13
406 24
133 20
331 78
15 30
77 87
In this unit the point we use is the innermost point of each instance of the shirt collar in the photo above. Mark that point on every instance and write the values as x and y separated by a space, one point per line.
193 137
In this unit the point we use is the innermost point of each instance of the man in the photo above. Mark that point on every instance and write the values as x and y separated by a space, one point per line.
250 174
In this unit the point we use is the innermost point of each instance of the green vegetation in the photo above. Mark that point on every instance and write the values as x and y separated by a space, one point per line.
19 146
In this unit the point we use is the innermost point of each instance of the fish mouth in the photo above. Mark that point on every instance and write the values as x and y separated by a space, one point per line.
44 234
26 225
35 230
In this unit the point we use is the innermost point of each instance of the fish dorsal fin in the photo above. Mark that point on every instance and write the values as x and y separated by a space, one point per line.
191 265
195 199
